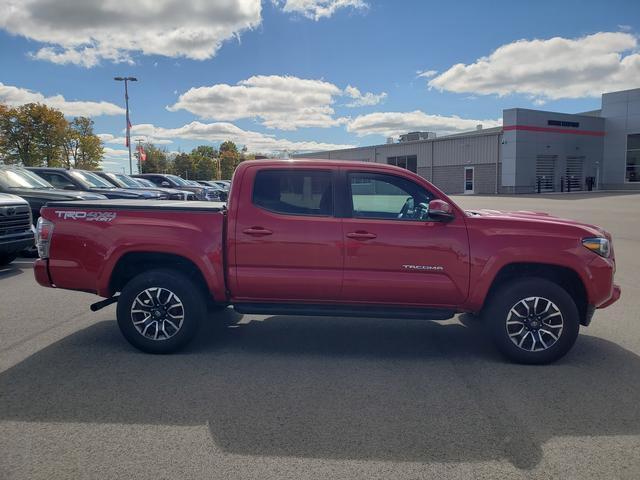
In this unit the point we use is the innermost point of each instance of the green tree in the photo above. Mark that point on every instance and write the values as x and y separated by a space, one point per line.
228 146
83 148
157 160
33 135
183 165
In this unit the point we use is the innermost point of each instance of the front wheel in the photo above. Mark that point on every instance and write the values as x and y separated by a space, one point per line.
159 311
533 321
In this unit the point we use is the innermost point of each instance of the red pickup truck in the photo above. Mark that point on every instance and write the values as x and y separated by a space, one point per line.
337 238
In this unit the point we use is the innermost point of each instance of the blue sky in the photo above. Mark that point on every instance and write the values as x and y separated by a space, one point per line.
306 74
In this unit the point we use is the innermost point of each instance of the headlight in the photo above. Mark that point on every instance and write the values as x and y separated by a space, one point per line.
598 245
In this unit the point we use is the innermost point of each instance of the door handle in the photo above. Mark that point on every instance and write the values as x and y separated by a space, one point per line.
257 231
360 235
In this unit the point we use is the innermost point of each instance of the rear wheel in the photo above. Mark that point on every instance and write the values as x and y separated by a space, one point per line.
532 321
160 311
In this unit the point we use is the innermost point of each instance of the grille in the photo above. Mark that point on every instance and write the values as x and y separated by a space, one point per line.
14 219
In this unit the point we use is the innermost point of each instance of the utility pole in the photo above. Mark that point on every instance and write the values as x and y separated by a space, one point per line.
126 101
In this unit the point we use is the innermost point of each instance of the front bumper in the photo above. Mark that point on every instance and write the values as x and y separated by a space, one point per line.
615 295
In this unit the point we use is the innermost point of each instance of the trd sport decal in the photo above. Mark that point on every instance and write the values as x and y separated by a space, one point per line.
86 216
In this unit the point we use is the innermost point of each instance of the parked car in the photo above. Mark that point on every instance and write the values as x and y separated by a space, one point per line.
331 238
36 190
85 181
146 183
121 180
16 228
222 192
166 180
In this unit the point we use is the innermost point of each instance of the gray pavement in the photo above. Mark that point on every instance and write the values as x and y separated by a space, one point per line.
287 397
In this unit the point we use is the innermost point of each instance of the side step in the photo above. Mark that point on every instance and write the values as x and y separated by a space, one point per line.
343 311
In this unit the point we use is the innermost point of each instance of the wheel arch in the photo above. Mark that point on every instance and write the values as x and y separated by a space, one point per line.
132 264
565 277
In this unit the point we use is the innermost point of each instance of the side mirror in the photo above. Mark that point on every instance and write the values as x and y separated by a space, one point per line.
165 184
440 210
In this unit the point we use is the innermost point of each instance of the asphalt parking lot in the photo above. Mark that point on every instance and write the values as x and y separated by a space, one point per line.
287 397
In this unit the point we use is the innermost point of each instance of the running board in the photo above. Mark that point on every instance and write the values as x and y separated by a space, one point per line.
343 311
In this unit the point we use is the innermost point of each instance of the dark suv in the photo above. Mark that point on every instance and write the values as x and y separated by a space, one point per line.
86 181
16 231
173 181
36 190
122 180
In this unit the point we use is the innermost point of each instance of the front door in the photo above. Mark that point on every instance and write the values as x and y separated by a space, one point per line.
394 253
287 243
468 179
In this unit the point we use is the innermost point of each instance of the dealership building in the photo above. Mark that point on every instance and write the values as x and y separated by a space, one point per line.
534 150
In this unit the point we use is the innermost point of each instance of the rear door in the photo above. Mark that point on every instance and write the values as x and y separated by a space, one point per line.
287 243
395 254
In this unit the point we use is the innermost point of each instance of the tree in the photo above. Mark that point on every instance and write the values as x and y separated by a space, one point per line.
157 160
83 149
184 166
228 146
33 134
229 160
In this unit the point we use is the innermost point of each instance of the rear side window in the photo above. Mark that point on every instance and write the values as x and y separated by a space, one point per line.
294 192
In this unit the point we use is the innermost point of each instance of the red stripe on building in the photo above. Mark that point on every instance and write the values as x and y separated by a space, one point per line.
528 128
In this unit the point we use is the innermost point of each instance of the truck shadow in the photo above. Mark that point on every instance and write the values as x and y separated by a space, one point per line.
336 388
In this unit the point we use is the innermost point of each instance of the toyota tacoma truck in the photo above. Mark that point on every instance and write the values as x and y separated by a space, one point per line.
340 238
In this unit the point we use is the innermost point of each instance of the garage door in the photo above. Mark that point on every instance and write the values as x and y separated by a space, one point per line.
545 172
575 173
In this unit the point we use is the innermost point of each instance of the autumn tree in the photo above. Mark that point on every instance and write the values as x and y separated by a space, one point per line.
83 148
229 158
33 135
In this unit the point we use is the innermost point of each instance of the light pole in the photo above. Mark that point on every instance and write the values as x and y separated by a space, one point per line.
126 102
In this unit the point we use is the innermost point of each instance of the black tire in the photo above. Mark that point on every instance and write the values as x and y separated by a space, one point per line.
7 259
499 310
192 308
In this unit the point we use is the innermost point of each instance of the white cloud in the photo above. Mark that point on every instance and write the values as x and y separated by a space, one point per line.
115 152
84 32
112 139
363 100
550 69
221 131
426 73
317 9
391 124
13 96
283 102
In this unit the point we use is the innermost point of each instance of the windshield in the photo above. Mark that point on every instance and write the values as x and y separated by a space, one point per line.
178 180
18 178
90 179
125 180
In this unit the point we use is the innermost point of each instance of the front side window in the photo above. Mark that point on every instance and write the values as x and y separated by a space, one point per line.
633 158
294 192
387 197
57 180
